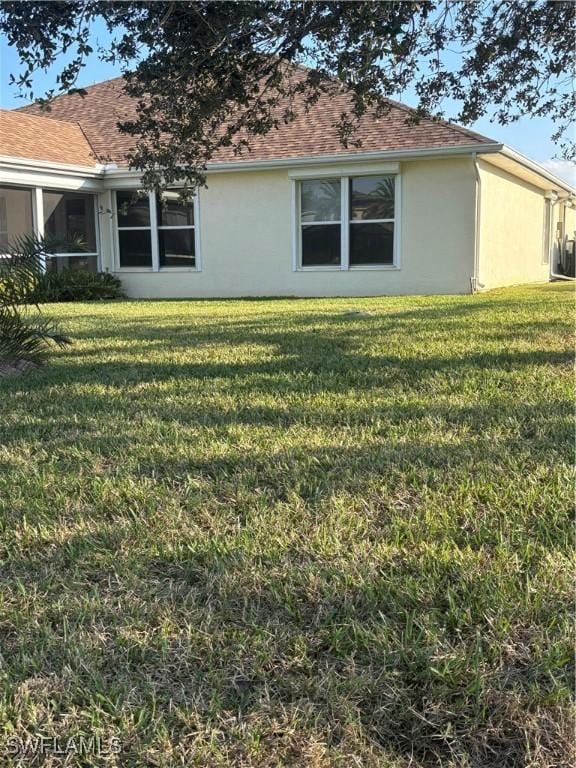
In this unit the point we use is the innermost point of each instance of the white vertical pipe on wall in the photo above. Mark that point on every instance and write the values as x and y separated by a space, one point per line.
475 279
154 232
345 222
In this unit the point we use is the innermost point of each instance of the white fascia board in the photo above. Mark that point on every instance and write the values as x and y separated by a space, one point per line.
36 173
115 178
29 178
392 155
121 178
110 176
42 166
512 154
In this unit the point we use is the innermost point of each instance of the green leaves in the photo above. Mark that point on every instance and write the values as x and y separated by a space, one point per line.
19 273
208 75
78 285
25 335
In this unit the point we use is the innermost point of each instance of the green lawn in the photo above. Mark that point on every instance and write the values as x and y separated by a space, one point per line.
307 533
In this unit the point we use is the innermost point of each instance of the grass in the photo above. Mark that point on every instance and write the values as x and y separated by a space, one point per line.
293 533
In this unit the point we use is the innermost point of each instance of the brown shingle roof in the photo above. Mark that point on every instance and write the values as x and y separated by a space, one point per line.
41 138
310 134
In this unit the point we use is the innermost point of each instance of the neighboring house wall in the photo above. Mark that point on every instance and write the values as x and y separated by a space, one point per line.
563 229
570 223
512 230
246 229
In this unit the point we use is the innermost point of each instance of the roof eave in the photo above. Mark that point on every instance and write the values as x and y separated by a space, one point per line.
341 157
10 162
535 167
111 171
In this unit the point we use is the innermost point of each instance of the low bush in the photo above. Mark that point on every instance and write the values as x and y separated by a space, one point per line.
78 285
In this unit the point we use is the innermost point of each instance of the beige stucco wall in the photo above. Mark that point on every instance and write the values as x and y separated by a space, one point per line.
511 243
246 235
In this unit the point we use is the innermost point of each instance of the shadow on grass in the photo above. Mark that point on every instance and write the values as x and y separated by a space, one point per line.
312 355
205 629
409 642
543 431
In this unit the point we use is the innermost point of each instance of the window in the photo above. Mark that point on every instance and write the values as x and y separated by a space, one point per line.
15 215
372 220
176 246
156 232
320 222
134 230
69 218
347 222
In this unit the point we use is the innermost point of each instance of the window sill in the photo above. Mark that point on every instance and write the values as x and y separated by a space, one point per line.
149 270
365 268
170 270
66 255
375 268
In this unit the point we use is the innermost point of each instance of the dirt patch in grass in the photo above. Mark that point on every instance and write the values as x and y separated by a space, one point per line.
16 368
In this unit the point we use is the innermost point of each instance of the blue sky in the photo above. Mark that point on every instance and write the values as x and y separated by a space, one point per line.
531 137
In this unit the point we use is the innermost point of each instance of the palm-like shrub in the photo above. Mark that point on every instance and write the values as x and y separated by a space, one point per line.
25 335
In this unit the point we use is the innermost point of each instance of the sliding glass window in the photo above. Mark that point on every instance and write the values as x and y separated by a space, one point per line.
372 220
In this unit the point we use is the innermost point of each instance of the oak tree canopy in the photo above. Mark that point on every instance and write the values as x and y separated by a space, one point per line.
207 74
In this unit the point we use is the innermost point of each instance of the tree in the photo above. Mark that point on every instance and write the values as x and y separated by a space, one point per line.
213 74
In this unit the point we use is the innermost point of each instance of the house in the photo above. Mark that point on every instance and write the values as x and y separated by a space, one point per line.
416 209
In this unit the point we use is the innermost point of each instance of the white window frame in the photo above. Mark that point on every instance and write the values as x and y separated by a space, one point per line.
334 222
345 221
154 228
194 226
5 217
118 229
